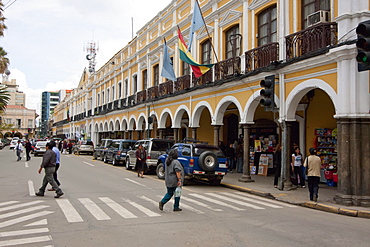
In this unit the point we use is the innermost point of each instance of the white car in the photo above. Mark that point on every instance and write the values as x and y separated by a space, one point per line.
13 144
40 148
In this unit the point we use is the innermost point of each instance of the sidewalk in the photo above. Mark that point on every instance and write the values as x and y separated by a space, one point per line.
263 186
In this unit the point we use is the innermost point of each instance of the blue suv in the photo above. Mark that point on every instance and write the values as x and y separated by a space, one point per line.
199 160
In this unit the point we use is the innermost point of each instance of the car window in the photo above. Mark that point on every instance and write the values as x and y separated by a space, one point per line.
186 151
161 145
126 145
115 145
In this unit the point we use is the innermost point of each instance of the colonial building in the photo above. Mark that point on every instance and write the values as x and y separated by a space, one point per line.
309 46
16 114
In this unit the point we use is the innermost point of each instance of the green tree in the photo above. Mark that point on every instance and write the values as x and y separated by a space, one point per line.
4 61
2 19
4 98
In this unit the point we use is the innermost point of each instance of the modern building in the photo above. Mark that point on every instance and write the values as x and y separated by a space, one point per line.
309 46
16 97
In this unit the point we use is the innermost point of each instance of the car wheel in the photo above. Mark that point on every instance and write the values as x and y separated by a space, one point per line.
208 161
160 171
128 164
114 161
105 160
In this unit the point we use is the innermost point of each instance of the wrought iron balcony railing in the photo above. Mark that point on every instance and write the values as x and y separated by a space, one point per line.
165 88
227 68
261 56
311 40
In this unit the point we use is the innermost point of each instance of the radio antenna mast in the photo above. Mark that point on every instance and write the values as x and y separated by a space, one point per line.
91 48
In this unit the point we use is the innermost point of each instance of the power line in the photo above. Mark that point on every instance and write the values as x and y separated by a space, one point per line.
7 6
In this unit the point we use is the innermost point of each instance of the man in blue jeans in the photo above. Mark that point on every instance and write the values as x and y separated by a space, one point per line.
174 176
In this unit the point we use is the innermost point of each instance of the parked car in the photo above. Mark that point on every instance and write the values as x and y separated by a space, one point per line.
86 147
13 143
100 150
40 148
199 160
117 151
154 148
1 145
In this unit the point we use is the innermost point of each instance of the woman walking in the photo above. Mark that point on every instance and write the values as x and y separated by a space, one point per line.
297 159
174 176
140 161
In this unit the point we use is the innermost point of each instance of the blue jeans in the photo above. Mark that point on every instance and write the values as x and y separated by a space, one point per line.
168 196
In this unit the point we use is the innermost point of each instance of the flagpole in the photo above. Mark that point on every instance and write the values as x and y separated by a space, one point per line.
209 36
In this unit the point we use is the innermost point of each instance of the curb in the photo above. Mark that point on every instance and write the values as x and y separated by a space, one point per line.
312 205
251 191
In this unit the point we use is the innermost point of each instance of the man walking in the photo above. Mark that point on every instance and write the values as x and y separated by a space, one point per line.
48 163
57 163
19 150
28 147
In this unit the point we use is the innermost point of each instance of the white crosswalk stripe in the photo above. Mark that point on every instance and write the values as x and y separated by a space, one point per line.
217 202
20 205
234 201
7 203
27 210
146 211
200 204
94 209
69 211
118 208
23 241
267 200
252 200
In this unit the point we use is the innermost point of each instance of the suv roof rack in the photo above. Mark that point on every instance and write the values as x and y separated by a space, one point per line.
192 140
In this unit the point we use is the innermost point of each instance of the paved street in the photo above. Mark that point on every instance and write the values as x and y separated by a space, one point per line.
110 206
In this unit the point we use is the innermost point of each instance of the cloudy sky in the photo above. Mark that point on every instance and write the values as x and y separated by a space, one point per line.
45 39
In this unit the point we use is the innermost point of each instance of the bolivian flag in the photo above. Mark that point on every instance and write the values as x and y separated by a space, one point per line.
185 55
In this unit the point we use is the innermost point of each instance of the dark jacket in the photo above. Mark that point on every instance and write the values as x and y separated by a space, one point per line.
28 146
49 158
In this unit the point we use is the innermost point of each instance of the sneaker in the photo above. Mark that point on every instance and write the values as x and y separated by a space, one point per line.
39 194
177 209
59 195
161 205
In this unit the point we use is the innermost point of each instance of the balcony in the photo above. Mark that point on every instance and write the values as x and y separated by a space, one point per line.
227 68
165 88
131 100
311 41
123 103
115 104
89 113
141 96
206 78
261 56
182 83
152 92
110 107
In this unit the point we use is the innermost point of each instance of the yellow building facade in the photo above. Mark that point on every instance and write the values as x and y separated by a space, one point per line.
308 45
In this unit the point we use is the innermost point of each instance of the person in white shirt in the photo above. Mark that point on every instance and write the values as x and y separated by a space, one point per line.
19 149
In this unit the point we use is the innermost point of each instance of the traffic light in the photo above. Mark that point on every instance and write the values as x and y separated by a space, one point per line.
363 45
268 92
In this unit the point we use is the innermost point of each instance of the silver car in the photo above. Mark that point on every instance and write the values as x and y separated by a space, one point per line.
40 148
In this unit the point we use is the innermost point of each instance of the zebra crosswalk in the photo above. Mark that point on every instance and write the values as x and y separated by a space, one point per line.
102 208
31 216
14 214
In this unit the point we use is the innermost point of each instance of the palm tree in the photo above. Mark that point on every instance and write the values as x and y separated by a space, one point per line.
4 61
2 20
4 98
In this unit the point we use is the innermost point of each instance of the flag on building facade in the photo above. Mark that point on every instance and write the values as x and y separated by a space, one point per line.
185 55
196 23
167 68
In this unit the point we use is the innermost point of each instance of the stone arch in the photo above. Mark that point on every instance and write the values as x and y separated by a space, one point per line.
124 124
105 129
303 88
222 106
251 106
117 125
132 123
162 120
111 125
140 121
101 128
198 112
178 116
